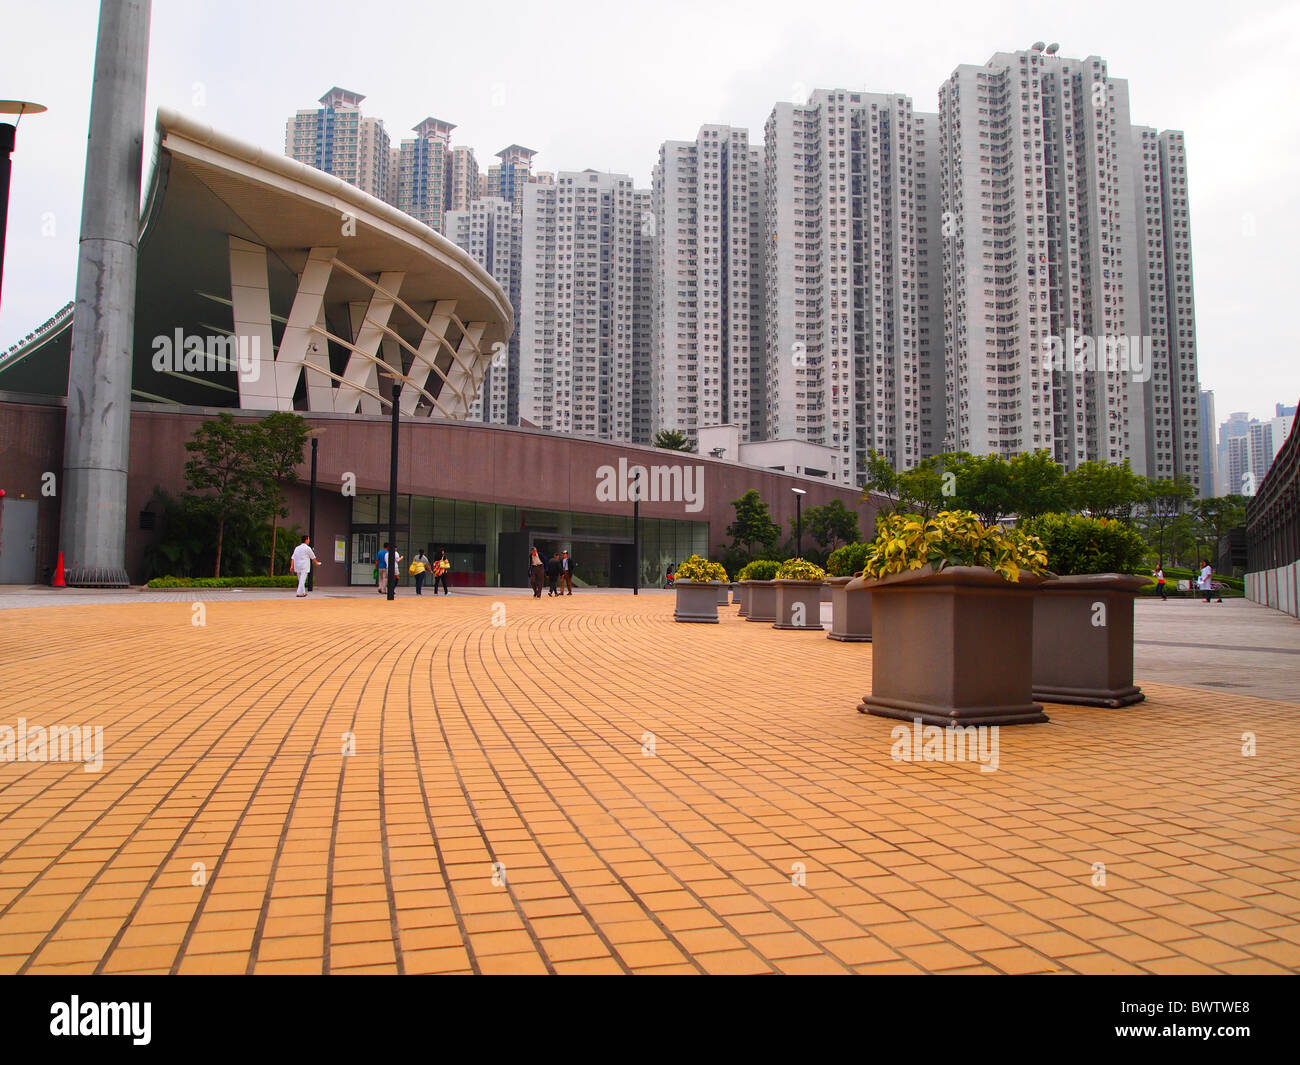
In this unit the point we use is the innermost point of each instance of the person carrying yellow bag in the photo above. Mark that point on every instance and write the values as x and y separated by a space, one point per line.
420 570
440 569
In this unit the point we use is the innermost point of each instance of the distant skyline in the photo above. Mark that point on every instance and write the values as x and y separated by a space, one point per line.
606 94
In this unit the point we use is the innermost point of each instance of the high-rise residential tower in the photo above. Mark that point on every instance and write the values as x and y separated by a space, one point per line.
848 224
706 289
337 138
584 358
1176 437
1040 271
507 178
424 171
491 229
462 178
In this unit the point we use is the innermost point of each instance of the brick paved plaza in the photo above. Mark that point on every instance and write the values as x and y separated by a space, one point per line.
584 786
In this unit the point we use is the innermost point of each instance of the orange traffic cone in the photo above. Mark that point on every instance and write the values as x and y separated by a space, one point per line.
59 582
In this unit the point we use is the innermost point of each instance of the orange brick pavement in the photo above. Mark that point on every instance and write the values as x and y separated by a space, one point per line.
590 787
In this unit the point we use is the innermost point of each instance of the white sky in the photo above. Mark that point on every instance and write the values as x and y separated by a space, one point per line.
603 87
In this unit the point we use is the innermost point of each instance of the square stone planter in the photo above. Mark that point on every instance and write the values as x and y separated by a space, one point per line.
799 605
735 593
697 601
953 647
850 610
1083 640
724 593
761 604
742 597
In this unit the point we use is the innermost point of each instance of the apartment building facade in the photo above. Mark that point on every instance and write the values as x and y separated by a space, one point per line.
584 344
705 226
338 139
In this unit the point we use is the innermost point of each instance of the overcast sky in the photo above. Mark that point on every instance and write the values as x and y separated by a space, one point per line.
602 87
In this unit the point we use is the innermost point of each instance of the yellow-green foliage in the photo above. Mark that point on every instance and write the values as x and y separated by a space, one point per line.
951 538
800 569
696 568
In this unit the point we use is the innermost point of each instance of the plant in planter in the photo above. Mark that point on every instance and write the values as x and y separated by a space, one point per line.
696 584
757 590
1083 617
799 595
952 625
850 614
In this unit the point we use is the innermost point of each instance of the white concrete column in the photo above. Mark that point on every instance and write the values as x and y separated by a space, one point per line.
430 346
465 375
250 299
361 369
306 312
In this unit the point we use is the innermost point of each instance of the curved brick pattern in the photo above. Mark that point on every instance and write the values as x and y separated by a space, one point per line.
505 811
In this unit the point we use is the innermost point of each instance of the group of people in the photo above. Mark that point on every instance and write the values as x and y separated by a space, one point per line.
1204 583
558 571
421 569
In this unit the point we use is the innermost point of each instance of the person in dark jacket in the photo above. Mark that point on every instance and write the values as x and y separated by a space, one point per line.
536 572
566 573
553 570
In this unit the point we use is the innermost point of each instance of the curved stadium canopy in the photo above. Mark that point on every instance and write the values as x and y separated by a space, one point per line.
268 285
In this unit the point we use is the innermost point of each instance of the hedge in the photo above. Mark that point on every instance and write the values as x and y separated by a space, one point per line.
286 581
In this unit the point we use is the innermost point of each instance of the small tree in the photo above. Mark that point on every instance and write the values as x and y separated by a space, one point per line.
1103 490
1215 518
830 524
753 524
984 487
672 440
229 459
1036 484
283 436
1163 504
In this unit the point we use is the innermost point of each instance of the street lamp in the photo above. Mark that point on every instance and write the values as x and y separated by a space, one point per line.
392 485
7 135
799 493
315 435
636 535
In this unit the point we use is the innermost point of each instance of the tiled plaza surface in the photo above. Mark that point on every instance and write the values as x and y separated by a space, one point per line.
582 785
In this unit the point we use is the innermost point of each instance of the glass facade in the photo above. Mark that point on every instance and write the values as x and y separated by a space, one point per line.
488 543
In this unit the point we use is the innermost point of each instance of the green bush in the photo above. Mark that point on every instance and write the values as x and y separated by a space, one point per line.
847 561
1076 544
696 568
288 581
761 569
800 569
907 542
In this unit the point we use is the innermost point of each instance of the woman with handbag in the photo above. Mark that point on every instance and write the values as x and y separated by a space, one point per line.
440 569
420 570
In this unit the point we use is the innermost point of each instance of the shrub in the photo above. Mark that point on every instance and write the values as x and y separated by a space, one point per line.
951 538
1076 544
800 569
696 568
761 569
847 561
287 581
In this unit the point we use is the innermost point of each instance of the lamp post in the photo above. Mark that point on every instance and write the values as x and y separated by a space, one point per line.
7 135
636 535
799 493
395 403
315 435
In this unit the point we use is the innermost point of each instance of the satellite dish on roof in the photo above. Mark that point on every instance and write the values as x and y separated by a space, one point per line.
1053 48
1037 46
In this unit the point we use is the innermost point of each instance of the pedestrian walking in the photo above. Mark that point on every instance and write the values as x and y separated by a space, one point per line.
381 568
303 557
566 572
440 570
553 573
1206 582
668 576
1159 575
420 570
536 569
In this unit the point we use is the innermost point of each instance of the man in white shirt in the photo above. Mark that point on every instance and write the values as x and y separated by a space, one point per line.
303 557
1207 580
